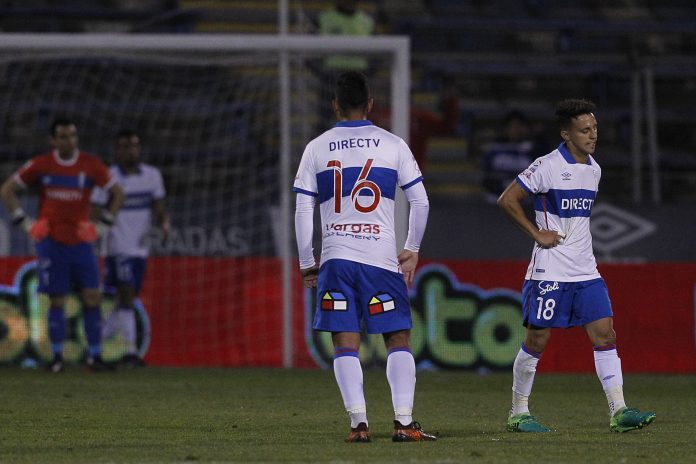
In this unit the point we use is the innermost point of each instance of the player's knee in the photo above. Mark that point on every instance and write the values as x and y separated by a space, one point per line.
536 340
398 339
91 297
57 301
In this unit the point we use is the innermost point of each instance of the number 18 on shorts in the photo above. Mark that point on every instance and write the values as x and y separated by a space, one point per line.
564 304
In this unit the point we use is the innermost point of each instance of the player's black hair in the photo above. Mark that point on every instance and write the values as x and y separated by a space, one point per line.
126 133
567 110
60 121
352 91
515 115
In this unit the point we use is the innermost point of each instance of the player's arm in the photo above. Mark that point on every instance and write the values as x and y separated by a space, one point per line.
511 202
8 192
102 217
116 199
419 207
304 231
38 230
159 210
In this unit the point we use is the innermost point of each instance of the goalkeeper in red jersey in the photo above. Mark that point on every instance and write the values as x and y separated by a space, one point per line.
64 178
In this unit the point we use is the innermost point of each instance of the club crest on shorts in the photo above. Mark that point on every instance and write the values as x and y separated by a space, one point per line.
380 303
334 301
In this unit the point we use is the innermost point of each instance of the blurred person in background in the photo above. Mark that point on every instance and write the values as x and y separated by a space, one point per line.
64 234
349 20
127 243
424 124
510 154
562 286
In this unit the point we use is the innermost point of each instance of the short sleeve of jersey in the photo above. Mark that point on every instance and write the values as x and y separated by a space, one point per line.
306 178
537 177
409 172
158 184
100 173
29 172
99 196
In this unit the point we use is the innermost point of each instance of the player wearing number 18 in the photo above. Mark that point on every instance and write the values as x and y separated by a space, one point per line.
563 287
353 170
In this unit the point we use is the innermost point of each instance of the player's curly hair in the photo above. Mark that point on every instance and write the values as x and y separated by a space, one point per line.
352 91
567 110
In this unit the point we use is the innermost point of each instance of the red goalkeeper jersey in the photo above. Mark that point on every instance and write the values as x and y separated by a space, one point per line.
64 188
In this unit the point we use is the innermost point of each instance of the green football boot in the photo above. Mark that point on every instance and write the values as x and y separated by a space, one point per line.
524 422
627 419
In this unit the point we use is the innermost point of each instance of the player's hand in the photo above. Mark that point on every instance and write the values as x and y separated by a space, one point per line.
37 230
89 231
408 260
310 276
166 226
548 238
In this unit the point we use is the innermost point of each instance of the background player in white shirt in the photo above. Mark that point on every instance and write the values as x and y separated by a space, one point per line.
126 245
353 170
563 287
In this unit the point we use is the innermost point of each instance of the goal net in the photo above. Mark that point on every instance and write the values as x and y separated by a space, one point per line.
225 118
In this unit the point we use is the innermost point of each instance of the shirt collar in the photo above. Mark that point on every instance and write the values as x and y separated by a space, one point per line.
568 156
357 123
66 162
124 173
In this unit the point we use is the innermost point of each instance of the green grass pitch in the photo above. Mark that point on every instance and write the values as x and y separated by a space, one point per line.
273 415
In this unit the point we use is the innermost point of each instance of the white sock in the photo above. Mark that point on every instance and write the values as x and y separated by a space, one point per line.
523 371
110 325
128 329
608 366
401 374
349 376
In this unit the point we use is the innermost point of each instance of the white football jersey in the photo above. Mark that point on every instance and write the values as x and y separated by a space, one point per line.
129 235
564 193
353 170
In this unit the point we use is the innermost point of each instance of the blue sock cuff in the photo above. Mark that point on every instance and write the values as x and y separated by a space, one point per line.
530 352
94 350
399 348
604 347
340 352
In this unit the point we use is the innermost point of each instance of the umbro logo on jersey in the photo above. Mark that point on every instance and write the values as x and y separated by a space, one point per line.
566 175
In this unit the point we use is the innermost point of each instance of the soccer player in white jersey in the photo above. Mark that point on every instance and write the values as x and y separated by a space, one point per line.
353 171
562 286
127 244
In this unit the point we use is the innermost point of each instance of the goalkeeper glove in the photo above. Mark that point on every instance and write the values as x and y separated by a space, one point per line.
89 232
37 230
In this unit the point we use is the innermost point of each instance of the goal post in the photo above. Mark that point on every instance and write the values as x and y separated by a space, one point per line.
200 90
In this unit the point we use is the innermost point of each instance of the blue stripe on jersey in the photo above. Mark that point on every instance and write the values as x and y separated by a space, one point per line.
524 187
412 183
138 200
385 179
76 182
306 192
566 203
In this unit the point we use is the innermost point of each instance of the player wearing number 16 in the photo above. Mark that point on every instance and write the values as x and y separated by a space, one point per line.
64 178
562 287
353 171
